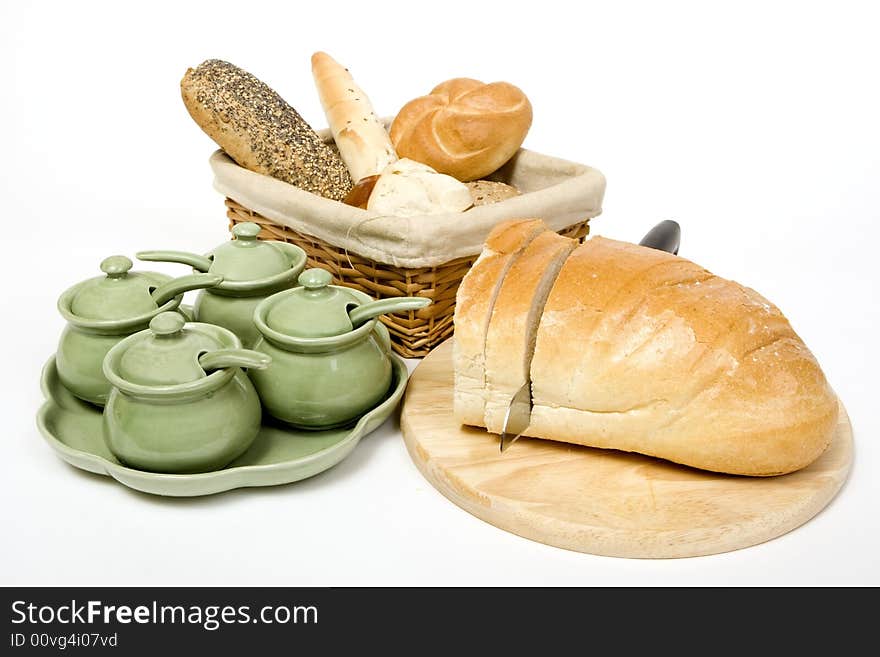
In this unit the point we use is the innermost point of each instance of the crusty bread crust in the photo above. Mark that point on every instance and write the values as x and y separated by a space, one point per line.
260 131
643 351
463 128
474 302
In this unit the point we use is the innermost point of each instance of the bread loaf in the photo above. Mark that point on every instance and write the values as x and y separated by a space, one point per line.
260 131
463 128
362 139
643 351
474 304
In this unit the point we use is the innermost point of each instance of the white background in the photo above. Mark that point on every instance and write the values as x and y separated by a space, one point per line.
756 127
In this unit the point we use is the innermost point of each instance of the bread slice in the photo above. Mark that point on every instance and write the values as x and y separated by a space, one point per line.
643 351
513 328
473 309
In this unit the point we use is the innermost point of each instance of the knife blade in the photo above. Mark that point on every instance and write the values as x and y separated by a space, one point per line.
518 416
665 236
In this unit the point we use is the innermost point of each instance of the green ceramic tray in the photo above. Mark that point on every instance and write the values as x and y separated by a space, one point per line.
279 455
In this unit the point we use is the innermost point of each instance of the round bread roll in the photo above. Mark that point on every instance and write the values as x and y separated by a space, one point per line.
463 128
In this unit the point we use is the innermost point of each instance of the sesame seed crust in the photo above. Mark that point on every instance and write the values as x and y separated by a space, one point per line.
260 130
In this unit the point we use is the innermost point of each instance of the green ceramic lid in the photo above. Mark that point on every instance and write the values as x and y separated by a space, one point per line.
167 353
246 258
117 295
315 310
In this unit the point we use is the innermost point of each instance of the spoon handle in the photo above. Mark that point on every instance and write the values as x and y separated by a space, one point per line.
194 260
175 286
360 314
215 360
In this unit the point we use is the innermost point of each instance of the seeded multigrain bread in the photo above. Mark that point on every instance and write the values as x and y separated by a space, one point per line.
260 131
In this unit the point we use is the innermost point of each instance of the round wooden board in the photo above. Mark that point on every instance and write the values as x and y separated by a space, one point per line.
604 501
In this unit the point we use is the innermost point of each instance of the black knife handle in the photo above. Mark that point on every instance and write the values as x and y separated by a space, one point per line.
665 236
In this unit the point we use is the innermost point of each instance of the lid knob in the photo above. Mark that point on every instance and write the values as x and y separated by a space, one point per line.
315 279
246 231
116 266
315 309
167 323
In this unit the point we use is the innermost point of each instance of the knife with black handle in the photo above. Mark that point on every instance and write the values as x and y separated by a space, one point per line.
665 236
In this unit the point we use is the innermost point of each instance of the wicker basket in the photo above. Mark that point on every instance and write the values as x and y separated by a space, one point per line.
427 257
413 333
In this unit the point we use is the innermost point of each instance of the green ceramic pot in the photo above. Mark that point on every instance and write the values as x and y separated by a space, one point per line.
252 270
326 370
102 311
180 402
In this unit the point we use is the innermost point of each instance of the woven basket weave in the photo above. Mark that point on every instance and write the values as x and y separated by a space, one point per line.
420 256
413 333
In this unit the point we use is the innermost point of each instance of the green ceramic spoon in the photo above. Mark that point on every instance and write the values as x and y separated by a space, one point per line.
221 358
172 288
194 260
360 314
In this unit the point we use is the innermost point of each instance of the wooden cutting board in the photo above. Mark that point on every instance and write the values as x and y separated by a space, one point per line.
603 501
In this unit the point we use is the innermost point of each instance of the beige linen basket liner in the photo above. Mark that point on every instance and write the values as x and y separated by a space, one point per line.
424 256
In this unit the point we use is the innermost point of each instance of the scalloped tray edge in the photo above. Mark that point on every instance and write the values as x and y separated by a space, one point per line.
229 478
